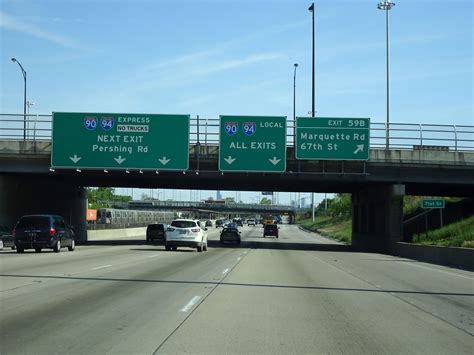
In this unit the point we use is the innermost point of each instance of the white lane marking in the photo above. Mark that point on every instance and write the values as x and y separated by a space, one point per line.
101 267
190 304
153 256
225 271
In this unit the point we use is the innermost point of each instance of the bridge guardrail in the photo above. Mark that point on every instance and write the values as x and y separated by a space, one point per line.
403 136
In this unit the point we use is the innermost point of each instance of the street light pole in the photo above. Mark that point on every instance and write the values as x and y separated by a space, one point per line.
386 5
23 71
313 112
294 108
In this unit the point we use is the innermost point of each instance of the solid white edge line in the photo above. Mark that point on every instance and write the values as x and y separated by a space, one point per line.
226 271
190 304
153 256
101 267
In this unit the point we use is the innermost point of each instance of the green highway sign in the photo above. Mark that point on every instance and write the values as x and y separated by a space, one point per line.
432 203
323 138
252 143
120 141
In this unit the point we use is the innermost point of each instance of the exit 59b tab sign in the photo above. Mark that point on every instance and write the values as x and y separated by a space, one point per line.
120 141
252 143
322 138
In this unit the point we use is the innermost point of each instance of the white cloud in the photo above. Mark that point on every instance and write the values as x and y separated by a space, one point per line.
13 23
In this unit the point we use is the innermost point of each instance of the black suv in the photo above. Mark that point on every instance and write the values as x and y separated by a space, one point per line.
156 232
43 231
270 230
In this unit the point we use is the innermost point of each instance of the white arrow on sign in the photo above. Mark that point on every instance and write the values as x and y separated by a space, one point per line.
360 148
75 158
164 161
274 161
229 160
120 160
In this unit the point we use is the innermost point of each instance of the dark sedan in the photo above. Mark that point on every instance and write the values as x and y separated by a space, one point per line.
230 235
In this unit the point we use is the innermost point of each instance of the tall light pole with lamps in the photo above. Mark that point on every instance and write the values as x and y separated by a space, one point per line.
294 107
313 110
23 71
386 5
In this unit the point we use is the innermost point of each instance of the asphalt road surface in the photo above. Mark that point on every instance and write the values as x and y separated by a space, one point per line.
300 293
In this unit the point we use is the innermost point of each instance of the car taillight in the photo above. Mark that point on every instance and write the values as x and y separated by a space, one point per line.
195 230
52 232
169 229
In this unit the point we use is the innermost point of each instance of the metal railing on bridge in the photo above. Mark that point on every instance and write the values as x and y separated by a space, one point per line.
205 132
183 205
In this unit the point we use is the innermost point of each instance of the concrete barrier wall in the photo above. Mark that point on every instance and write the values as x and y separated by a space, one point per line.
456 257
117 234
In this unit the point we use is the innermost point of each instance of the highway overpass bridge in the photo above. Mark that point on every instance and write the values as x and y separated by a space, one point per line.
421 160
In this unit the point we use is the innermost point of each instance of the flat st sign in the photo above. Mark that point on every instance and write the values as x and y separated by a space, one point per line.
252 143
432 203
120 141
323 138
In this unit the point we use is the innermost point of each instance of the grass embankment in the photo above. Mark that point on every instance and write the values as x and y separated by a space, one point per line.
339 229
459 234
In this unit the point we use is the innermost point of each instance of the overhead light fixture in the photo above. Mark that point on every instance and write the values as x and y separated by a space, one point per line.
141 171
157 172
106 171
79 170
197 172
127 171
184 172
52 170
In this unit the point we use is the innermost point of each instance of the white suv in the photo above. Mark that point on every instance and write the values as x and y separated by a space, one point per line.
186 233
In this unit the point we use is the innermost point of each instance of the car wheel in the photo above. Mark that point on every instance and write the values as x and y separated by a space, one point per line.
72 246
20 250
13 247
199 248
38 250
57 247
167 248
205 247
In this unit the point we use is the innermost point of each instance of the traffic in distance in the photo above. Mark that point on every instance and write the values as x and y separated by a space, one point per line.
38 232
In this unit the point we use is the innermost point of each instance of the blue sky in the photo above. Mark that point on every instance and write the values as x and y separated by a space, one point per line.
236 57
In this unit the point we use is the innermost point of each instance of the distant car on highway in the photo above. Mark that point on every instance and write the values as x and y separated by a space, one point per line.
251 222
231 235
270 230
239 222
6 237
43 231
186 233
155 232
220 223
209 223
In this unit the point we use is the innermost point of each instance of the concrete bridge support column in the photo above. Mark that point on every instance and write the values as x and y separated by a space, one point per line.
21 195
377 214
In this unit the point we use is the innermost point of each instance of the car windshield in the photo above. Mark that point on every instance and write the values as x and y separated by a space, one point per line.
183 224
34 221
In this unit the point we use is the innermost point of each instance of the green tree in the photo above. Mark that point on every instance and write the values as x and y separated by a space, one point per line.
341 206
265 201
229 200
